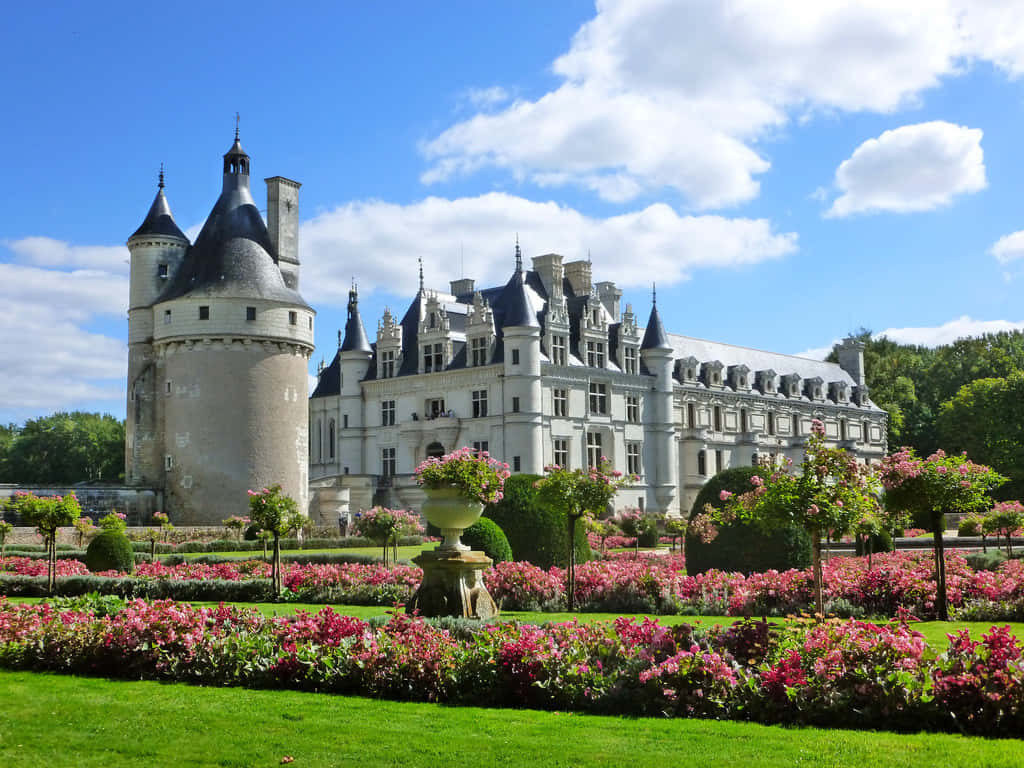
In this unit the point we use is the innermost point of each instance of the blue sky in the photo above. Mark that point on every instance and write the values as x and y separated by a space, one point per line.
786 172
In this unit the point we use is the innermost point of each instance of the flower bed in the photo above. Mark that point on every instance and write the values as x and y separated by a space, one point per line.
898 582
836 674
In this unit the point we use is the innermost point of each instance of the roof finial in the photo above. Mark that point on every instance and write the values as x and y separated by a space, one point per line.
238 119
589 260
420 260
519 255
161 184
339 338
654 294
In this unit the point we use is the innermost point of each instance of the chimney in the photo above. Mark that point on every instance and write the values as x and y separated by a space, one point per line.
283 226
578 274
462 286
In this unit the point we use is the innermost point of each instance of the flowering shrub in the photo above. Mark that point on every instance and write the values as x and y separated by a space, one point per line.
114 521
383 525
476 475
840 673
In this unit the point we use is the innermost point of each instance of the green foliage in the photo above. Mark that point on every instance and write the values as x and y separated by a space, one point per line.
985 418
985 561
475 474
486 536
880 541
115 521
278 513
110 551
647 532
537 534
63 449
741 546
971 525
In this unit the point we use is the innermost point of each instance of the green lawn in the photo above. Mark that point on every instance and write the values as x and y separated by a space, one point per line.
59 721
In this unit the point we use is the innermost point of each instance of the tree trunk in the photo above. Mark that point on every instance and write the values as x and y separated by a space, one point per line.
819 594
152 549
51 562
571 596
941 602
871 550
275 568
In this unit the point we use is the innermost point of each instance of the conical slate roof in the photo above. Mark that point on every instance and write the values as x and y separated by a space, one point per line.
654 335
159 220
514 305
232 257
355 335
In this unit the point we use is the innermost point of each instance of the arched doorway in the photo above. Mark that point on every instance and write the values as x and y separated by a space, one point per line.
435 450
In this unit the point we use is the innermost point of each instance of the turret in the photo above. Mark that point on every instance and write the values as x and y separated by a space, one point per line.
660 446
521 353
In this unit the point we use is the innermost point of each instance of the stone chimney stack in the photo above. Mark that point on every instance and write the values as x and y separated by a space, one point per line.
283 226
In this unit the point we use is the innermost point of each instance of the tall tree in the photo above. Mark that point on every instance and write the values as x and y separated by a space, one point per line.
66 448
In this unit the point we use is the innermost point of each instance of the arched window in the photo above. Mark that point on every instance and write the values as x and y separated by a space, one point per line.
330 438
435 451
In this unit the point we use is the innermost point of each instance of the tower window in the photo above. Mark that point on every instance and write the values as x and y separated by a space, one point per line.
293 317
250 313
515 405
168 461
204 312
517 464
167 317
515 357
161 271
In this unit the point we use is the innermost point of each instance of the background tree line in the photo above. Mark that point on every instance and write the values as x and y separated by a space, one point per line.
63 449
964 396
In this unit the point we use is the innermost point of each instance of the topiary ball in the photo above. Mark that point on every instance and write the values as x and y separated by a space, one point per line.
110 551
738 546
486 536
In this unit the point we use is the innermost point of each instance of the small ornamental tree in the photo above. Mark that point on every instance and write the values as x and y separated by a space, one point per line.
84 528
115 521
579 494
928 489
1005 519
675 529
237 525
603 529
384 525
831 492
630 521
48 514
5 531
277 513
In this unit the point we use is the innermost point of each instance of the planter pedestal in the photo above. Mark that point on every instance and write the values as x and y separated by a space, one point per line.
453 585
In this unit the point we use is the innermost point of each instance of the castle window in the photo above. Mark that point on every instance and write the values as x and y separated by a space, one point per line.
629 361
595 354
517 464
168 387
633 409
558 350
691 416
168 461
432 358
796 424
311 323
743 420
204 312
387 365
718 418
330 438
479 398
387 413
515 357
594 452
480 446
167 317
633 458
344 421
702 463
478 350
387 461
719 465
770 423
865 434
435 408
161 271
293 317
250 313
561 453
560 402
598 398
515 405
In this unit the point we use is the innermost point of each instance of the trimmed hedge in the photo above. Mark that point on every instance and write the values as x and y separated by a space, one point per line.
743 547
486 536
536 534
110 551
214 590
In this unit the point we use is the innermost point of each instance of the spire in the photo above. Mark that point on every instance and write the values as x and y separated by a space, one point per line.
519 255
514 304
654 334
236 163
355 335
159 220
420 260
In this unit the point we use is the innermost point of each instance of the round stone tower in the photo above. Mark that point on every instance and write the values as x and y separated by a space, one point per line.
232 342
157 249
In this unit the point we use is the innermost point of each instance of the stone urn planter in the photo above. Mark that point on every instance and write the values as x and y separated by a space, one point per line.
453 512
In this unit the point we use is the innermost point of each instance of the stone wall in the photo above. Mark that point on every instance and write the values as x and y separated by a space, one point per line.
138 504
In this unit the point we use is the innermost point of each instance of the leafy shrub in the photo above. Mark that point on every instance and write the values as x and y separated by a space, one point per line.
647 534
486 536
985 561
880 542
110 551
536 534
741 547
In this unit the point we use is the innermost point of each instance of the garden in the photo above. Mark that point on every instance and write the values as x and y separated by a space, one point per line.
591 624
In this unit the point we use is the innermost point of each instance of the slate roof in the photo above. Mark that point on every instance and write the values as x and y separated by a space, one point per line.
159 220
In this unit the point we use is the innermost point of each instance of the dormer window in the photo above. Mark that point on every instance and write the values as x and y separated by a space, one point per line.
478 351
559 349
433 357
387 364
629 361
595 354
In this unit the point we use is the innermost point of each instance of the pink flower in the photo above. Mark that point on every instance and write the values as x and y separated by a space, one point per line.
724 495
757 481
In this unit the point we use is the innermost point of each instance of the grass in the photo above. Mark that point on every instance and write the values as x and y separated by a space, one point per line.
63 721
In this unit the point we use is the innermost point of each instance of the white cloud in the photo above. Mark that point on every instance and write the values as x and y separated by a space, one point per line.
931 336
667 94
1008 247
912 168
481 98
47 252
475 236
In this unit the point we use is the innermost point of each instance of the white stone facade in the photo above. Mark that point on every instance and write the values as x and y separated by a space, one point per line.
549 369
